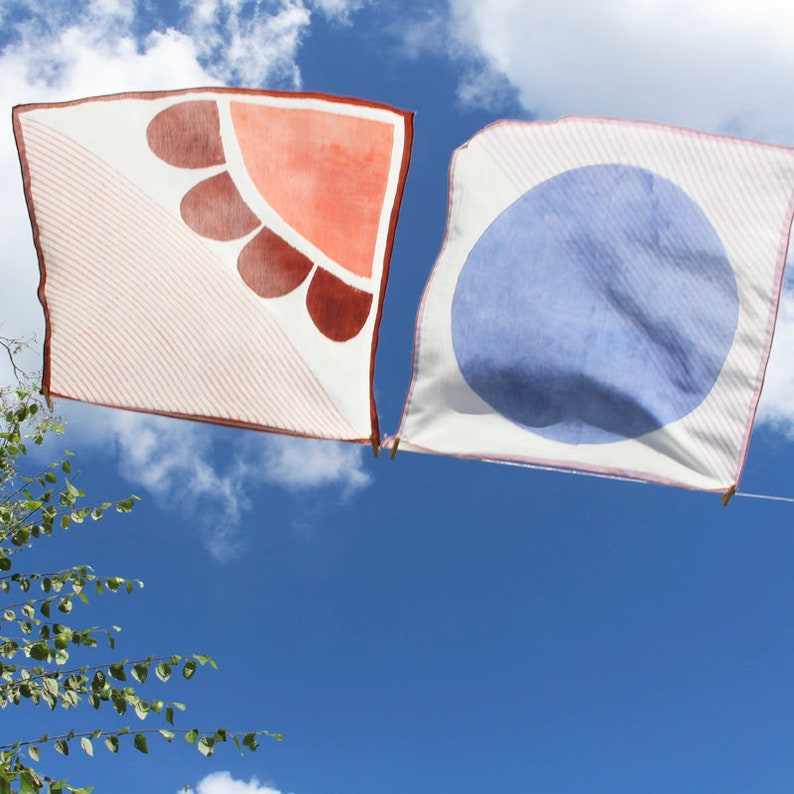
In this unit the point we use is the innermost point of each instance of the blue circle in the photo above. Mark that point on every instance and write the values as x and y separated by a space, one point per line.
599 306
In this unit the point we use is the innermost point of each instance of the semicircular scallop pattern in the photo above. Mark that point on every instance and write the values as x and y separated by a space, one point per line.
324 174
217 254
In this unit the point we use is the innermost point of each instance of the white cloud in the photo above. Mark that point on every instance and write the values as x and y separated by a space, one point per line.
187 466
777 400
702 63
427 29
339 10
224 783
249 44
299 464
175 462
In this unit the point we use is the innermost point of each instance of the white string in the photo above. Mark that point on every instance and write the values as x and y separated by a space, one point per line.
560 470
767 497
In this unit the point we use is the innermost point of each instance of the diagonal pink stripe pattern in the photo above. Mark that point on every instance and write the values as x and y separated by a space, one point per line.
133 296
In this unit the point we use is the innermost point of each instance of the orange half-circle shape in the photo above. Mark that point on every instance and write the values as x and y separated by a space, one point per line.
324 173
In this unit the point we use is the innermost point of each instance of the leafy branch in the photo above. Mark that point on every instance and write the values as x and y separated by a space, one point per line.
204 742
34 646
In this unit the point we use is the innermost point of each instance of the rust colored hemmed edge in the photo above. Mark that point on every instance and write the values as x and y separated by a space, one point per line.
408 122
23 163
407 118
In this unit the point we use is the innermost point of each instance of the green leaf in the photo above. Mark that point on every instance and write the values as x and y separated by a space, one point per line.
202 659
62 746
140 672
206 746
27 782
22 535
189 670
191 737
34 752
163 671
140 743
39 651
85 743
117 671
112 743
166 734
126 505
119 704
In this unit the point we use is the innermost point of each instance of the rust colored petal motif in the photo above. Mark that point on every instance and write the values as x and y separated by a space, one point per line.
271 267
310 154
214 208
187 135
338 310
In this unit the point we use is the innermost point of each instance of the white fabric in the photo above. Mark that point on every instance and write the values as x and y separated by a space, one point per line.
541 324
144 312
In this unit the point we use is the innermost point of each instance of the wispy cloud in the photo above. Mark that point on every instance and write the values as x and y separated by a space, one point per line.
425 29
340 10
301 464
188 467
224 783
249 43
777 400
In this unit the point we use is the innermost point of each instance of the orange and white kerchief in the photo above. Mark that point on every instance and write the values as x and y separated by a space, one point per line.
217 254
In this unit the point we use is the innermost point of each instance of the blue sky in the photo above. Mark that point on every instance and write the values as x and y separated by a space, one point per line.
430 624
